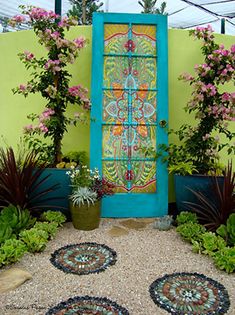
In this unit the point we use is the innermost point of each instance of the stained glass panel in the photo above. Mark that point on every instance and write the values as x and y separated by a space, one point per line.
115 38
144 38
144 177
115 141
144 107
116 172
139 137
130 106
139 179
124 72
115 106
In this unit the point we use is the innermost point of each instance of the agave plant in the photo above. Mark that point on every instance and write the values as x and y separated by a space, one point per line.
82 196
214 211
21 181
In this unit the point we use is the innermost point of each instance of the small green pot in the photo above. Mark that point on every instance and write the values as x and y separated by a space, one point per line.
84 217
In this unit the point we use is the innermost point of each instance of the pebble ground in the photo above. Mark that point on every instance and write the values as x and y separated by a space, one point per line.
142 256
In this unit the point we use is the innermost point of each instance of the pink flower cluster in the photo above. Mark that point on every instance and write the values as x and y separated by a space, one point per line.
51 35
43 128
186 77
60 42
53 65
80 42
222 112
46 114
203 69
228 97
203 32
17 19
28 55
41 14
78 91
67 22
207 89
25 88
225 73
28 129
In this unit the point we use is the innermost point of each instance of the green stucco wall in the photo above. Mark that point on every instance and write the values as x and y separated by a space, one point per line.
184 53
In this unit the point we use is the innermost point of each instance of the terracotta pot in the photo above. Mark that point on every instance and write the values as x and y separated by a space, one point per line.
84 217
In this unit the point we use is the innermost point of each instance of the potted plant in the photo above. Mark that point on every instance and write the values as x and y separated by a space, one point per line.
196 154
50 78
23 182
88 188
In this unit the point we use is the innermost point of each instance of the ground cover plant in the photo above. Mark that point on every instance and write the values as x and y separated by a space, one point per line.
20 233
220 246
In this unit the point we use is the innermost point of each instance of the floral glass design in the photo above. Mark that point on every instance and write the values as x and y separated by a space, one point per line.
129 106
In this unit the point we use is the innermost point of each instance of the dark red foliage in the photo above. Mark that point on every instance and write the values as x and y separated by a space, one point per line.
103 188
21 181
214 211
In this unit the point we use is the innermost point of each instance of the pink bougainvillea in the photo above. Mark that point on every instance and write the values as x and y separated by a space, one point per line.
50 78
211 104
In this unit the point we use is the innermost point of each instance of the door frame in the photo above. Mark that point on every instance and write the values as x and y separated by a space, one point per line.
161 197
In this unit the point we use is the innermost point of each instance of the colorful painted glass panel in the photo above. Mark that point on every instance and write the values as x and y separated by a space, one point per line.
129 72
129 106
144 37
144 107
115 38
141 177
141 136
115 141
116 172
144 177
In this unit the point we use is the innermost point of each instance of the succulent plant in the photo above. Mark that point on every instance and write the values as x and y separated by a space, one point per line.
53 217
50 228
11 251
5 231
16 218
34 239
186 217
82 196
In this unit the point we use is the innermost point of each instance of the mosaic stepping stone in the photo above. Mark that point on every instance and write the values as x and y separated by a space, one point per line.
190 294
88 305
83 258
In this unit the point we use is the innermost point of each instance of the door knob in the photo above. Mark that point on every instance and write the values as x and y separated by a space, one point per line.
162 123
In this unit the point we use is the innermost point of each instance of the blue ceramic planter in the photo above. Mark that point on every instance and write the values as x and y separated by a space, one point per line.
61 195
199 183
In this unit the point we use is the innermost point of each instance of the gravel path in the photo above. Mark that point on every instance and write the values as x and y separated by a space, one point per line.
142 256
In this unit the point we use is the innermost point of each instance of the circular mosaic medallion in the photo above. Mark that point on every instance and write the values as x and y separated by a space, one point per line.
88 305
190 293
83 258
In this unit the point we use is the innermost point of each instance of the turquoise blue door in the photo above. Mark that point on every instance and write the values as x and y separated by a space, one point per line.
129 110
